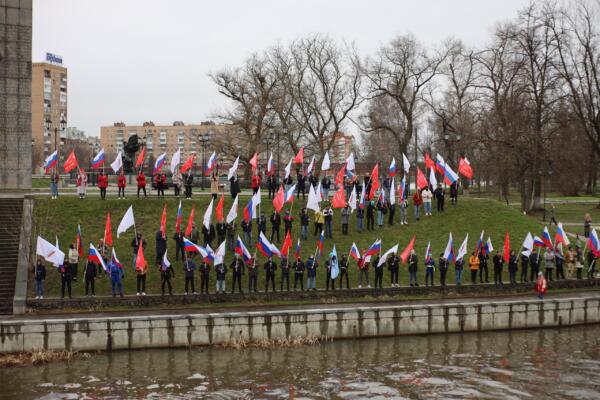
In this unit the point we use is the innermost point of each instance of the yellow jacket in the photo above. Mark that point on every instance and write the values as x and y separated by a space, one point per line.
319 217
474 263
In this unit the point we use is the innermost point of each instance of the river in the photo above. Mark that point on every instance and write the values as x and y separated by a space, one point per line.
552 363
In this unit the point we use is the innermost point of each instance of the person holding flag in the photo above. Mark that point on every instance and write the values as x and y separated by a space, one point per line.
189 266
166 273
102 184
121 184
393 263
311 268
474 263
270 268
498 261
237 270
344 272
332 269
39 276
429 266
73 257
443 264
299 268
116 274
141 183
549 260
534 263
90 273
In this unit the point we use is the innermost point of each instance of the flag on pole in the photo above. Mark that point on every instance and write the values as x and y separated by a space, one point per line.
339 198
219 256
297 251
79 241
479 244
350 166
506 253
232 214
449 175
118 163
407 250
374 249
392 169
546 238
313 199
179 219
188 229
165 261
126 222
279 199
299 159
334 264
289 194
354 252
175 160
212 163
353 200
462 250
95 257
594 243
51 161
374 181
233 170
421 180
99 159
383 258
189 163
140 159
288 169
320 245
406 164
464 168
287 244
428 253
71 162
393 191
488 248
115 260
241 249
527 245
270 167
311 166
108 232
49 252
326 164
208 214
561 236
219 209
449 251
159 163
254 161
429 164
432 178
163 222
339 178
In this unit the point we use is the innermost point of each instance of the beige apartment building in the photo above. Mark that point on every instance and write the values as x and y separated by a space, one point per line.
341 148
48 108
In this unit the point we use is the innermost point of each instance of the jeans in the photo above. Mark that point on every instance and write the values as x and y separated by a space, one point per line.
428 276
363 273
89 286
379 218
54 189
114 284
344 275
141 283
458 276
394 276
412 278
285 276
427 206
379 277
220 285
359 224
189 284
403 219
298 278
304 232
417 212
328 229
325 194
39 288
311 282
443 272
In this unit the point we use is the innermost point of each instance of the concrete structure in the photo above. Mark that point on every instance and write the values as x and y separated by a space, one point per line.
161 138
48 108
345 321
15 94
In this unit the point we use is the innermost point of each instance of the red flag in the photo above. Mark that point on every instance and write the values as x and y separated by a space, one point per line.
279 199
374 181
188 229
464 168
254 161
219 210
406 251
71 162
339 178
140 160
428 162
163 222
339 198
140 261
506 248
189 163
108 232
421 180
287 244
299 159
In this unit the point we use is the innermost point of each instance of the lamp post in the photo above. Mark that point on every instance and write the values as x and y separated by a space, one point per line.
62 125
203 138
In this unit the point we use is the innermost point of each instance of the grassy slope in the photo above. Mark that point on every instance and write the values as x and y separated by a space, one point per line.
60 217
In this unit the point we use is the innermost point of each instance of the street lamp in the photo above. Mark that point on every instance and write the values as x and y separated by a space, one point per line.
62 125
203 138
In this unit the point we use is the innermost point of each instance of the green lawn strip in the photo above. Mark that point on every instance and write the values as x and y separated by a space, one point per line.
61 217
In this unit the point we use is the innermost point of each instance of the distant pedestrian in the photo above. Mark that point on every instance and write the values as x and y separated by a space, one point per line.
54 180
166 273
102 184
121 184
299 273
204 270
443 266
311 268
541 286
270 268
116 275
413 266
512 267
65 279
189 267
90 272
141 183
439 195
82 181
474 267
39 274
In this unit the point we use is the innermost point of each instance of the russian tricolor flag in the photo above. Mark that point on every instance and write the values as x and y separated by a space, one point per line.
98 161
249 210
392 170
158 164
266 248
537 242
51 161
270 169
440 164
402 193
241 249
289 195
95 257
320 244
428 255
449 175
192 247
374 249
449 251
594 243
297 252
546 238
211 163
561 236
179 218
354 252
115 260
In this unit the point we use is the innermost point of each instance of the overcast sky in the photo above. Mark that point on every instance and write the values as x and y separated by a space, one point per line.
140 60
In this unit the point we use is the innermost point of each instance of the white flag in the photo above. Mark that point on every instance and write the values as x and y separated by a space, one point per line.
118 163
288 169
352 200
393 191
319 192
527 245
350 162
256 198
310 166
432 179
208 214
326 164
385 255
462 251
232 215
406 163
175 160
49 252
233 168
219 254
313 200
449 248
165 261
127 221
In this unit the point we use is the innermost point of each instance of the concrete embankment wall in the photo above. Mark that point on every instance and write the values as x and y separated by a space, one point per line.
136 332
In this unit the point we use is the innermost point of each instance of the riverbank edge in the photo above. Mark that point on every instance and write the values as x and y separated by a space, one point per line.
331 322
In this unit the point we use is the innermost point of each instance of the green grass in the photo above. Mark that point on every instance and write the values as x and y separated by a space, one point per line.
40 183
61 217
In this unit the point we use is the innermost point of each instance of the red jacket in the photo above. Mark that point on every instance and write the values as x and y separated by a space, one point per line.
102 181
255 181
417 199
121 181
541 286
160 179
141 180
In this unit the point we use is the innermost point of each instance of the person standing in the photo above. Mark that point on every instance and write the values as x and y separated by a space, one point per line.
413 265
166 272
204 270
161 247
288 221
439 195
102 184
378 272
319 221
549 264
345 218
299 273
311 268
454 193
328 217
392 211
90 272
221 271
417 201
304 224
275 224
141 279
141 183
270 268
237 269
560 273
188 182
429 271
82 181
177 183
39 274
285 273
208 234
301 185
116 275
272 185
394 268
498 261
247 230
381 211
214 186
512 267
443 266
427 197
325 187
121 183
252 275
483 267
329 279
587 225
360 213
179 245
534 261
221 231
73 261
54 180
541 286
403 212
371 215
65 279
580 263
189 266
234 187
135 245
524 267
363 272
344 272
161 184
261 225
231 231
474 267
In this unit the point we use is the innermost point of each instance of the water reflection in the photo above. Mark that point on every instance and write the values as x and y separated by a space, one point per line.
560 364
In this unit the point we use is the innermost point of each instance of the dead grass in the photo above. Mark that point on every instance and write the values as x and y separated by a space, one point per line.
243 343
38 357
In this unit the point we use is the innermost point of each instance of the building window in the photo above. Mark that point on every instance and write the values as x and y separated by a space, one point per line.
46 73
